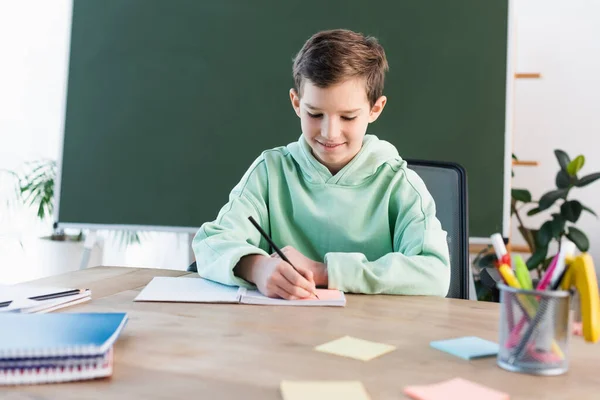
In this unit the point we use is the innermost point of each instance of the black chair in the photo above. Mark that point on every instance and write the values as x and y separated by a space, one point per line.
447 183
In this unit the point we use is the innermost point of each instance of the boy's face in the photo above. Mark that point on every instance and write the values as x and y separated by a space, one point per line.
334 119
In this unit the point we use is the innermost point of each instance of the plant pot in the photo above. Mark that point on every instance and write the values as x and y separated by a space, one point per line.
46 257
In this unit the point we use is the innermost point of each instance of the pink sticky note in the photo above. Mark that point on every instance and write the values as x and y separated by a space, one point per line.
454 389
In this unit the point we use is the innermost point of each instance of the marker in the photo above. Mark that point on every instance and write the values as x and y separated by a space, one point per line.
523 273
501 253
567 250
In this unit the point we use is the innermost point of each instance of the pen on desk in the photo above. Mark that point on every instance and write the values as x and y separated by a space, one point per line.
48 296
274 246
56 295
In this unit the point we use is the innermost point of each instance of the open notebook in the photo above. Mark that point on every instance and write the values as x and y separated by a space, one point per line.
198 290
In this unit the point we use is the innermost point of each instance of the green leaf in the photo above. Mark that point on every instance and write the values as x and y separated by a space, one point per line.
514 157
589 210
575 165
558 226
571 210
533 211
579 238
536 258
563 159
586 180
545 234
550 198
563 179
521 195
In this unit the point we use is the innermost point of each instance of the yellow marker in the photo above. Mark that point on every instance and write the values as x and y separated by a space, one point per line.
582 275
508 276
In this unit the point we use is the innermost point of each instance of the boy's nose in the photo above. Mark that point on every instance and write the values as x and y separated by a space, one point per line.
331 129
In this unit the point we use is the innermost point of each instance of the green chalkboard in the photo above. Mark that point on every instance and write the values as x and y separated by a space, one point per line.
169 102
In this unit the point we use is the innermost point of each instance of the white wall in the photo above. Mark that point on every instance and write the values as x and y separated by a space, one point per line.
560 39
34 46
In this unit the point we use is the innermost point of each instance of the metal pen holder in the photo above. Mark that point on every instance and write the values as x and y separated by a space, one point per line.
534 331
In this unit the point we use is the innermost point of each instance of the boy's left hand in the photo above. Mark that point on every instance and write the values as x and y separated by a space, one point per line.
299 260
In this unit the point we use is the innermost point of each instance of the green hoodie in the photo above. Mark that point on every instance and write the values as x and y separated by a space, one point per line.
373 223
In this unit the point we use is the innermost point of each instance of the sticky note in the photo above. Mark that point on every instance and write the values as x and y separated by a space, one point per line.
323 390
467 347
454 389
359 349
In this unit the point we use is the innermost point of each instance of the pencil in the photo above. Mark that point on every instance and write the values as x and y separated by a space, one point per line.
274 246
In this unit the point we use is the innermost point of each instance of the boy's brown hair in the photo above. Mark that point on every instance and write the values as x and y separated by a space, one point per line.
333 56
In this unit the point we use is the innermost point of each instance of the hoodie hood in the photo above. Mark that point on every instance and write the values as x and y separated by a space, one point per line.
372 155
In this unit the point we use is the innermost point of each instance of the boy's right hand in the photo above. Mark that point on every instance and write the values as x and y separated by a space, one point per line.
276 278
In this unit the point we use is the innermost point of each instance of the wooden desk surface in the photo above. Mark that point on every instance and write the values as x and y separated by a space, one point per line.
221 351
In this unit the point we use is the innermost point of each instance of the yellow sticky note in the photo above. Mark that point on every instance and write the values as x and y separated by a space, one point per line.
323 390
359 349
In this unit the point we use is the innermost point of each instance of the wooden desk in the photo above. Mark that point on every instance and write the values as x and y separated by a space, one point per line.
220 351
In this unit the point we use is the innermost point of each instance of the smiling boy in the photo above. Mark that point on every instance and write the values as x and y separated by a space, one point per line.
349 212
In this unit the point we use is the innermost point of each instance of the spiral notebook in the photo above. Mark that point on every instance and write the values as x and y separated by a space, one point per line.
57 347
58 370
199 290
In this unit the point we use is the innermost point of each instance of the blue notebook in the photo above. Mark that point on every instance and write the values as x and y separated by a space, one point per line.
58 335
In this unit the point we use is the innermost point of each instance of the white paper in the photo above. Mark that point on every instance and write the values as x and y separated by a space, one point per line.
188 290
24 291
327 298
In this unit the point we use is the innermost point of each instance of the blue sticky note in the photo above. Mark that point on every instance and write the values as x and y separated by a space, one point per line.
468 347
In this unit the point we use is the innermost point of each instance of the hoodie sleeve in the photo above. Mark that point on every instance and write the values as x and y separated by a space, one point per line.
420 263
219 245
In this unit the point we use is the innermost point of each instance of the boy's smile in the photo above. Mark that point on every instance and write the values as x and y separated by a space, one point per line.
334 119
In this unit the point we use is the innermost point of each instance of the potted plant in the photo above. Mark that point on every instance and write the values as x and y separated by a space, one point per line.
57 252
564 212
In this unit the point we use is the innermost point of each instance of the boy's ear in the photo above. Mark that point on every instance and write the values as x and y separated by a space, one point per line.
295 98
377 109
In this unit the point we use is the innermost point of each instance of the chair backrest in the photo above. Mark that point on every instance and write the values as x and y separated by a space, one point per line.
447 183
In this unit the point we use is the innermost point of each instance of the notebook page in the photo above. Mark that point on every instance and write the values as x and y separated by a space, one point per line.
188 290
327 297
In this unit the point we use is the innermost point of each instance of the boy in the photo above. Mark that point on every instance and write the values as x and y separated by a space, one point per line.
348 211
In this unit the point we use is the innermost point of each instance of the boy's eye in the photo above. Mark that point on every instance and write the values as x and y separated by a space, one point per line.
314 115
348 118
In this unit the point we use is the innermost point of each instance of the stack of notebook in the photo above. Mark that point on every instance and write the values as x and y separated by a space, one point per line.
57 347
28 299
